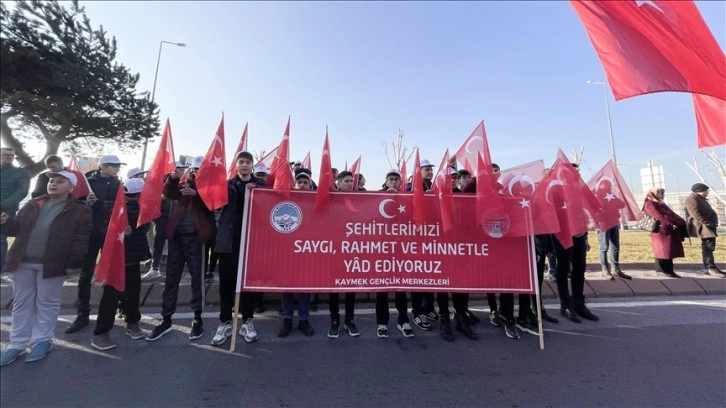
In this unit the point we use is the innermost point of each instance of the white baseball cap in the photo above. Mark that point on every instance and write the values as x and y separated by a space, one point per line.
66 174
260 169
133 185
135 172
110 159
426 163
393 171
197 162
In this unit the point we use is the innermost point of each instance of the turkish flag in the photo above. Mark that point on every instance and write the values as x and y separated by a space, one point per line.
325 179
444 190
654 46
710 120
531 172
241 147
111 267
281 164
211 177
268 158
306 164
355 169
163 164
419 201
524 200
488 203
473 146
82 187
404 176
613 194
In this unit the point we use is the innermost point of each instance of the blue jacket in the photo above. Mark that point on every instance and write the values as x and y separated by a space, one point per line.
229 216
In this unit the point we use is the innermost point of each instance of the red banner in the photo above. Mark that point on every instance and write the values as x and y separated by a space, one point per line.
368 242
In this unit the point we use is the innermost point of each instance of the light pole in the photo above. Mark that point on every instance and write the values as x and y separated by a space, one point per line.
610 122
153 92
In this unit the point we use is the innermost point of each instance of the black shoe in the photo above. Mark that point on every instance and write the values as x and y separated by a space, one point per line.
472 318
669 274
583 311
464 328
527 325
510 329
352 328
569 313
495 318
285 328
304 326
619 274
80 322
548 318
445 328
197 329
314 306
160 330
334 331
209 277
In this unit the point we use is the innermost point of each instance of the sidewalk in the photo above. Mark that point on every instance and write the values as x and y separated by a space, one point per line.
645 282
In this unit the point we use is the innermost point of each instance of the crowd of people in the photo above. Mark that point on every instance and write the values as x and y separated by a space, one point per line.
200 240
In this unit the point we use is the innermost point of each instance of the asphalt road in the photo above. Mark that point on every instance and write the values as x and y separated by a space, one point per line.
655 352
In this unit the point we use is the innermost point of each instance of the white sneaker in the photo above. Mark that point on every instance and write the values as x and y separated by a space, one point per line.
247 330
223 331
152 274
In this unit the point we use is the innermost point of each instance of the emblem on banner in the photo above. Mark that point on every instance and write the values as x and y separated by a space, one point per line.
286 217
497 228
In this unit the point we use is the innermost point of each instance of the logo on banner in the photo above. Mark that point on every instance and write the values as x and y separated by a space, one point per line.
286 217
497 228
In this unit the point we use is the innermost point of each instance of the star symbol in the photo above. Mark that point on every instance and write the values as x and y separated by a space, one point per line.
217 161
524 203
120 212
609 196
401 209
641 3
120 237
564 206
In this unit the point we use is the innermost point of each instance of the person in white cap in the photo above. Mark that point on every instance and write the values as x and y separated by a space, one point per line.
136 173
261 172
51 240
104 186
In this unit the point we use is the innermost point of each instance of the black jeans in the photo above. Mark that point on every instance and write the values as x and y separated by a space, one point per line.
708 245
184 249
334 307
422 303
382 312
540 278
159 240
460 301
110 298
571 259
228 268
84 279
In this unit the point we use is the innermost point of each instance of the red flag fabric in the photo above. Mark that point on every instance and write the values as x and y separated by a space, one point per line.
531 172
444 189
325 179
267 159
281 164
419 202
82 187
111 267
211 177
710 120
355 169
404 176
241 147
488 203
306 164
614 194
150 199
474 145
654 46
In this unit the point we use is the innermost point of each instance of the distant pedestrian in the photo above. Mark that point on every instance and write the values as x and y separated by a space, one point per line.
667 240
702 223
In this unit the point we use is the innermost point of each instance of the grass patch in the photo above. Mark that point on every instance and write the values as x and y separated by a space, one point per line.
635 247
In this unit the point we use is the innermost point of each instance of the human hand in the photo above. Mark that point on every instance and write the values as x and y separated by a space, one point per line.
91 199
250 186
188 191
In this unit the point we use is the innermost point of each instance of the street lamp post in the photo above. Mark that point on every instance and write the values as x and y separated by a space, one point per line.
153 92
610 122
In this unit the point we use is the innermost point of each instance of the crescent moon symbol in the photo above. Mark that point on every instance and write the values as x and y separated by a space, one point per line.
217 139
604 178
556 182
522 178
471 140
382 208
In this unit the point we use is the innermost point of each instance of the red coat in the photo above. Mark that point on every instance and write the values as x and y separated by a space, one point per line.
668 241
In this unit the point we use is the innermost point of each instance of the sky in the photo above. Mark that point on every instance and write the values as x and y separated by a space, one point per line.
367 69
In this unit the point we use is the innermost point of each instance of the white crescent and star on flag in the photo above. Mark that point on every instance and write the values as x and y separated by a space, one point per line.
382 208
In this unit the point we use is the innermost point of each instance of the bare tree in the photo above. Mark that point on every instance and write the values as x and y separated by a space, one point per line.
720 168
398 154
577 156
259 155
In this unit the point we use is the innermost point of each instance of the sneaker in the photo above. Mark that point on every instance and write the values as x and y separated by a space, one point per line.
160 330
134 331
334 331
422 322
121 316
305 327
382 331
152 274
248 331
352 329
209 277
432 316
10 355
405 329
510 329
285 327
527 325
39 351
103 342
197 330
223 332
495 318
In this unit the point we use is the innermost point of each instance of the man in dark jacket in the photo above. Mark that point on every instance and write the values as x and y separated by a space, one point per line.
14 185
702 223
104 186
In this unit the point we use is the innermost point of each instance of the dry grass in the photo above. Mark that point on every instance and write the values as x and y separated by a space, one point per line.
635 247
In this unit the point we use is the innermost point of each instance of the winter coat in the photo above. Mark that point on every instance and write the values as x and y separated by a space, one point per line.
41 184
136 245
105 190
702 219
14 186
203 218
667 242
67 243
229 216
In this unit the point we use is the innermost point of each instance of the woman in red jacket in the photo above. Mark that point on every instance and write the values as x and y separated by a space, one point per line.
667 240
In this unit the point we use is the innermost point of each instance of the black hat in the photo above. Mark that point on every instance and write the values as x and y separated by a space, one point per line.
247 155
699 188
464 172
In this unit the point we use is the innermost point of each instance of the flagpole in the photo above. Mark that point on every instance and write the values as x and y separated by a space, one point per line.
235 319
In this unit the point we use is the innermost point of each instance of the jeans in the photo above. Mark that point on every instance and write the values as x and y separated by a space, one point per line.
609 239
708 245
159 240
571 259
382 312
303 306
183 249
36 305
110 297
